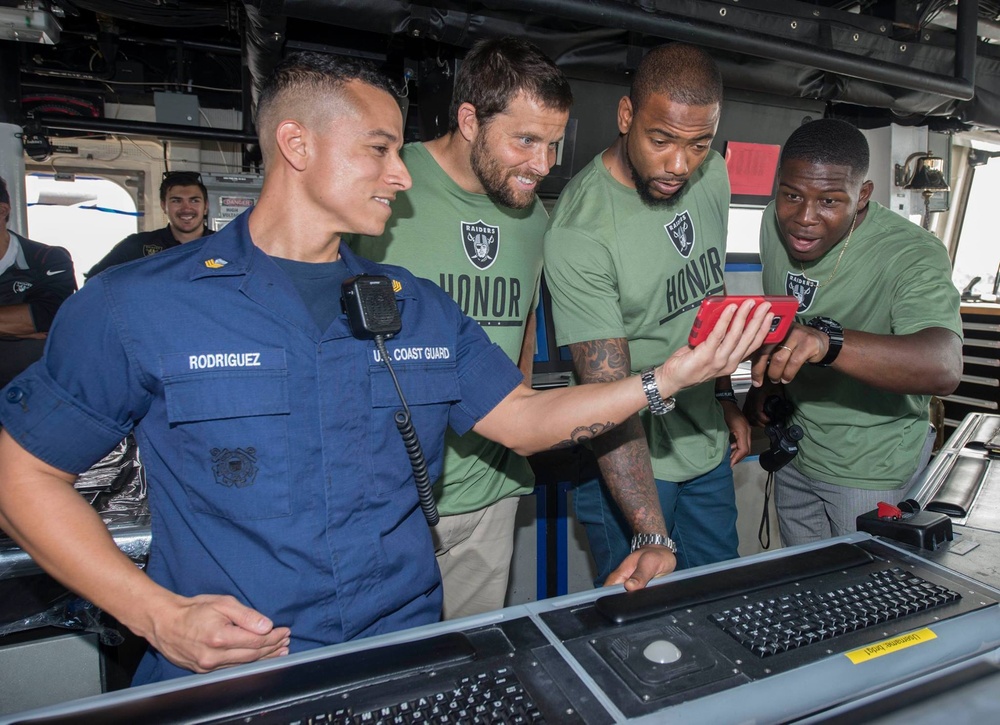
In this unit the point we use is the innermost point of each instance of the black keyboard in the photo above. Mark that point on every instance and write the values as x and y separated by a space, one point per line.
769 626
496 696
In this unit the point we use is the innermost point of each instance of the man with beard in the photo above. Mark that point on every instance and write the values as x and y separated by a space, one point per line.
636 241
882 333
473 224
184 199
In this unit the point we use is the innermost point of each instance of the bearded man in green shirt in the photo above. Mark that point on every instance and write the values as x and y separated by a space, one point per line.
473 224
877 333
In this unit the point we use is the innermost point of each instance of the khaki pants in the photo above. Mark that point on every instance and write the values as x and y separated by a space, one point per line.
473 552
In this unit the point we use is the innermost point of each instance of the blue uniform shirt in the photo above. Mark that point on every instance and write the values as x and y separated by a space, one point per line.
276 473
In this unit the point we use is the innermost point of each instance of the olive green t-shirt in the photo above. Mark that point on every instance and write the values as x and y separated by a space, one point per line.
893 279
488 258
619 268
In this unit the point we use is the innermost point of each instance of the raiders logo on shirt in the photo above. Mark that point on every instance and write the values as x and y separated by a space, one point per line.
481 242
681 233
150 249
801 288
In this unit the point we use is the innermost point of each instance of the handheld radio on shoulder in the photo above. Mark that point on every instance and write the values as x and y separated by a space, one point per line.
370 305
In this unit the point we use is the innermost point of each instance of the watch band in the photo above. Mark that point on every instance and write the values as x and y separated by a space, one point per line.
658 405
641 540
833 330
726 395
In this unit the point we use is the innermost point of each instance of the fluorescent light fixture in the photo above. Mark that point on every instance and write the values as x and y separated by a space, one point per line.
28 26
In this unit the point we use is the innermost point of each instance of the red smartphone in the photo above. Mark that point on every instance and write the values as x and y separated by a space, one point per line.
783 307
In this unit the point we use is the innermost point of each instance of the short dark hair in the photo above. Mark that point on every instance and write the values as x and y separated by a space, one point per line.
181 178
829 141
301 77
318 71
4 194
684 73
495 70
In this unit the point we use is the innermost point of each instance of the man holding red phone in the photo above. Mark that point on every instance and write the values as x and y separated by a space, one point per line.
881 334
635 242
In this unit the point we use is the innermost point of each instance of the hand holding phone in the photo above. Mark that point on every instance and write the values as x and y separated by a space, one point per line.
783 307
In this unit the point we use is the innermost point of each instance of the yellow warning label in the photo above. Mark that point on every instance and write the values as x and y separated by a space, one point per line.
890 645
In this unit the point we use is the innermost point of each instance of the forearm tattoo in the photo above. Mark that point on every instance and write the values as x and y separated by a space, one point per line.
583 434
601 361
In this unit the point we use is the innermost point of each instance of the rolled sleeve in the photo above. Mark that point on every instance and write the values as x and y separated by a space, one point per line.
75 404
54 427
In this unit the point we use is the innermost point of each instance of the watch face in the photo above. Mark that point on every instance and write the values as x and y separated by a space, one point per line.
826 325
835 332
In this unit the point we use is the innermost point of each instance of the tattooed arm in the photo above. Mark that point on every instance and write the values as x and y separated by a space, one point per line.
622 455
529 421
624 460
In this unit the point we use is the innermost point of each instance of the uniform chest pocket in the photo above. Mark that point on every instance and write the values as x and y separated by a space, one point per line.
231 432
430 391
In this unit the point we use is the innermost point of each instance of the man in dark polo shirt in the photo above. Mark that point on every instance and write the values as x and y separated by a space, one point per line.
184 199
34 280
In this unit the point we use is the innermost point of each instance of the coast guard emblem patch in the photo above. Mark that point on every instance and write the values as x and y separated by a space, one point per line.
234 468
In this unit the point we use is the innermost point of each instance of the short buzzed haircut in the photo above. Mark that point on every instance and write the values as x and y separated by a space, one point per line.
684 73
303 78
829 141
496 70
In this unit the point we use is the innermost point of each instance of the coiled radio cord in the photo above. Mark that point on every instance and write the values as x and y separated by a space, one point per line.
412 444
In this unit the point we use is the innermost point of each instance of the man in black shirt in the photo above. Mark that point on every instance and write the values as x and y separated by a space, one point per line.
184 199
34 280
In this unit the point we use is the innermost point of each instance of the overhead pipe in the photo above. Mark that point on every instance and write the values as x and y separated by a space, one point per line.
607 13
198 45
50 123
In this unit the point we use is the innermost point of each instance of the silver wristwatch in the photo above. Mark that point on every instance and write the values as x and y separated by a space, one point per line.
658 405
641 540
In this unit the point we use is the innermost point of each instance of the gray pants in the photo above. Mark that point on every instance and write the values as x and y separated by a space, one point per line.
811 510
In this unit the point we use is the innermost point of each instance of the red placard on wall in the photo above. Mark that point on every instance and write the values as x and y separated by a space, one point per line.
752 168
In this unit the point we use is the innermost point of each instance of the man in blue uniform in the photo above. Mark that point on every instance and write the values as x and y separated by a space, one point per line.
284 514
184 199
34 280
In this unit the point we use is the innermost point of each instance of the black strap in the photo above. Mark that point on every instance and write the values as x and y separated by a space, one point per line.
765 517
